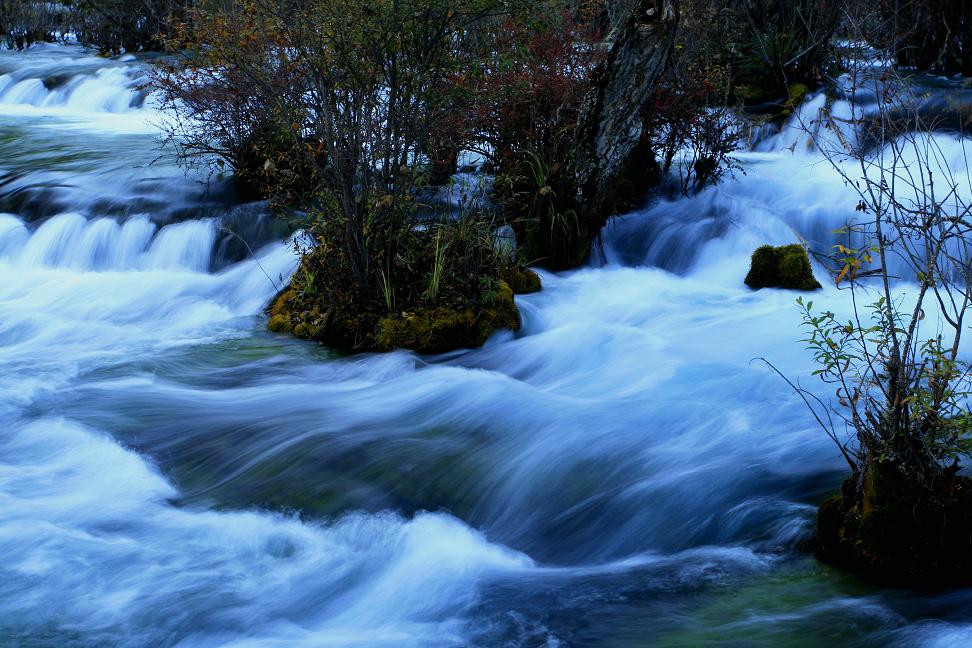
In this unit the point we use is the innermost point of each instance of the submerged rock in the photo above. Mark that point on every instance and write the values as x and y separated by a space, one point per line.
787 266
896 531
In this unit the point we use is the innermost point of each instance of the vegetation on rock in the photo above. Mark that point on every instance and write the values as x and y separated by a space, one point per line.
897 531
787 266
443 289
762 47
354 133
336 108
427 329
442 328
902 388
585 152
780 43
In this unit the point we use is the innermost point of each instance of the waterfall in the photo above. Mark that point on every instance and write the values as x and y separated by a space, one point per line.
85 85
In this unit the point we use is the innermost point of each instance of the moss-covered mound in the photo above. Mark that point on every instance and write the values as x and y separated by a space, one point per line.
429 286
787 266
796 93
896 532
434 329
334 325
523 281
442 328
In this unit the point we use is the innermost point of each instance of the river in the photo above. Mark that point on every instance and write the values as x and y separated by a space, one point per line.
621 472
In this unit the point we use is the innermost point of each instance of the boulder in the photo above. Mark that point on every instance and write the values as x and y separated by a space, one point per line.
426 330
443 328
893 530
787 266
523 281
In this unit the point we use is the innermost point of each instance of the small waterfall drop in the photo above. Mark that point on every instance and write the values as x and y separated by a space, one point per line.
86 85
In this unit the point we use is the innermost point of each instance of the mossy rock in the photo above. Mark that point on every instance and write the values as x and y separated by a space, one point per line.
279 324
895 531
428 330
280 311
279 306
307 318
796 93
523 281
768 98
781 267
443 328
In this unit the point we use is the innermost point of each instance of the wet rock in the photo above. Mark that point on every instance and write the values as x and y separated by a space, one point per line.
523 281
787 266
894 530
443 328
426 330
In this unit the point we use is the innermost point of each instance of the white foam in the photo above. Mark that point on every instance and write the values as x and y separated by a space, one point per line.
102 548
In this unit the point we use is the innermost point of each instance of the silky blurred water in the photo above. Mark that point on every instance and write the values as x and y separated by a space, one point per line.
621 472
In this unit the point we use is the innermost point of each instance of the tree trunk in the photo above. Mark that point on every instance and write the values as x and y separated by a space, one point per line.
610 156
609 161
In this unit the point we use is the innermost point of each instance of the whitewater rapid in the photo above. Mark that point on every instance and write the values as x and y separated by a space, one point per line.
620 472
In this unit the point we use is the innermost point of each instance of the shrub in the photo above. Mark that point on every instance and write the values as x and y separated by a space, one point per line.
525 96
927 34
23 22
687 119
901 386
114 26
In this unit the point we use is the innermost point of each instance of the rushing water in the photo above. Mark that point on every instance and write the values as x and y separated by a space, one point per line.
619 473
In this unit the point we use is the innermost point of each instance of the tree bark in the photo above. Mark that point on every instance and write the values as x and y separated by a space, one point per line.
609 140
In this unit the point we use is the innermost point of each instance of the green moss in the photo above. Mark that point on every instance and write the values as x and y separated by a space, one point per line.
781 267
279 324
280 303
796 93
523 281
443 328
894 530
426 330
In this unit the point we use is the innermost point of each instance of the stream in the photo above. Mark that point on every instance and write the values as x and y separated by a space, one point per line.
621 472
